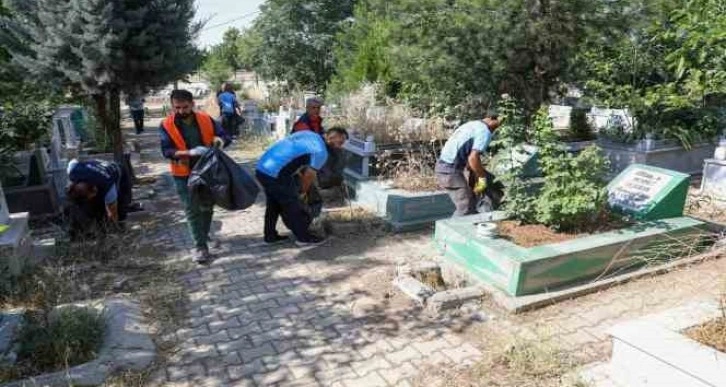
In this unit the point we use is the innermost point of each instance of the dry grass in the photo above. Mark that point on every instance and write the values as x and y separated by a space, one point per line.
249 146
351 215
95 269
387 122
510 362
705 207
712 333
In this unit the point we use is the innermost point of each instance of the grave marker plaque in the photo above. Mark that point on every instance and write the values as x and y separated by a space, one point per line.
649 193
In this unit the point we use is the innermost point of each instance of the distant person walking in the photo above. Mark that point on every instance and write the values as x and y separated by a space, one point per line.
459 169
185 136
136 109
229 109
311 120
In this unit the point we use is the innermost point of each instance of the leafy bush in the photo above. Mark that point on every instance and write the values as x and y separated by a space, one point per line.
72 338
22 125
573 196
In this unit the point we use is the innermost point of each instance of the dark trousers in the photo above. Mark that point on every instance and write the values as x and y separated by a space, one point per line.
138 117
230 123
283 201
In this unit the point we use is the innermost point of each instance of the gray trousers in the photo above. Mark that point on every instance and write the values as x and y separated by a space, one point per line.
457 186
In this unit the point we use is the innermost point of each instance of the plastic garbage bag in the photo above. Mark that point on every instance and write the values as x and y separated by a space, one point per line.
217 179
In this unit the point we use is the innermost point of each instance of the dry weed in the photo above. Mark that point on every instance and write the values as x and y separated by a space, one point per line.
712 333
512 362
705 207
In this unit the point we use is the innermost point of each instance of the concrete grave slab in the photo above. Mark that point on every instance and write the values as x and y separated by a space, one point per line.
402 210
654 351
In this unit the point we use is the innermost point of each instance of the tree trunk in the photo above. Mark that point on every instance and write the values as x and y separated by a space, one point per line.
102 112
114 117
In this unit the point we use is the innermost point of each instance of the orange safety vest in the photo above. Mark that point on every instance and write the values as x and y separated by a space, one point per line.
180 167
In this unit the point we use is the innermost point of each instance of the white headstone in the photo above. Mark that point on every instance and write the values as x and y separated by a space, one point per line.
4 211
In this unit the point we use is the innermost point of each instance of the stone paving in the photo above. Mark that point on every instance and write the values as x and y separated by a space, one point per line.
328 316
264 315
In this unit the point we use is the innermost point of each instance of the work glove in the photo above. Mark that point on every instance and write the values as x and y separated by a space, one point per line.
198 151
480 186
217 142
304 197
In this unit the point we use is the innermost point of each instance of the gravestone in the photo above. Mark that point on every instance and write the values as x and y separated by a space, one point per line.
524 156
15 242
714 179
649 193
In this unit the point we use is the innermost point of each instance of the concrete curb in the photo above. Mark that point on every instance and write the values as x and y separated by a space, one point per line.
127 346
426 296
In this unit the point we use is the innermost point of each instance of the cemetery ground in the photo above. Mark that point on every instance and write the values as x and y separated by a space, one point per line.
261 315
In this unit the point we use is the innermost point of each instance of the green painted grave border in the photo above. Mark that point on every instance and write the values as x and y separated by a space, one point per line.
521 271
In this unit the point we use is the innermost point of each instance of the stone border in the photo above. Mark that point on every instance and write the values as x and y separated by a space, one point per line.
653 351
525 303
426 296
127 346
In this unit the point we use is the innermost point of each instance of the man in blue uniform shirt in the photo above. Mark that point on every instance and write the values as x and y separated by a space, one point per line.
462 152
101 190
287 172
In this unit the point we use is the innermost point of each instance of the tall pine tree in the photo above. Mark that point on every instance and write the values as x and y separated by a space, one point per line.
105 47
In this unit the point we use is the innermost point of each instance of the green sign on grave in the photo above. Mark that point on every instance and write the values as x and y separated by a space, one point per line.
524 156
649 193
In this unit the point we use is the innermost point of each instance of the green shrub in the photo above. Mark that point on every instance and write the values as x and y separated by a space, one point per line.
70 339
24 124
573 196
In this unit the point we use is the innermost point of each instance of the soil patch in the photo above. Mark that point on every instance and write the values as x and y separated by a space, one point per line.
531 235
712 334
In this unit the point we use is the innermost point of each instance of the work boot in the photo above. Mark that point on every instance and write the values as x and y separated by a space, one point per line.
277 238
201 255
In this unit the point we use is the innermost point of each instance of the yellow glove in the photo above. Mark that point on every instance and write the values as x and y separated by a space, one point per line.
480 186
217 142
304 197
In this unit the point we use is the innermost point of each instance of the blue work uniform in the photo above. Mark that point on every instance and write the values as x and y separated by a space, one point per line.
276 171
454 159
105 176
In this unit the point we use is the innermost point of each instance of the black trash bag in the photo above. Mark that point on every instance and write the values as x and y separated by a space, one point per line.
219 180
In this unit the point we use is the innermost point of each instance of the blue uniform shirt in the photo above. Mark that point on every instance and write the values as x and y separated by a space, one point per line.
473 135
104 175
287 156
228 102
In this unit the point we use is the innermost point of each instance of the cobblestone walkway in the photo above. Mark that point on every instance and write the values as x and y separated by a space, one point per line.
280 315
328 316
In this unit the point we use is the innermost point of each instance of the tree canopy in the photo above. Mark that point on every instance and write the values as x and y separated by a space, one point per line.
102 48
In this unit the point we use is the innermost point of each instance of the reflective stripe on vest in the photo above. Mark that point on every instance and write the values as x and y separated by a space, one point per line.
180 167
